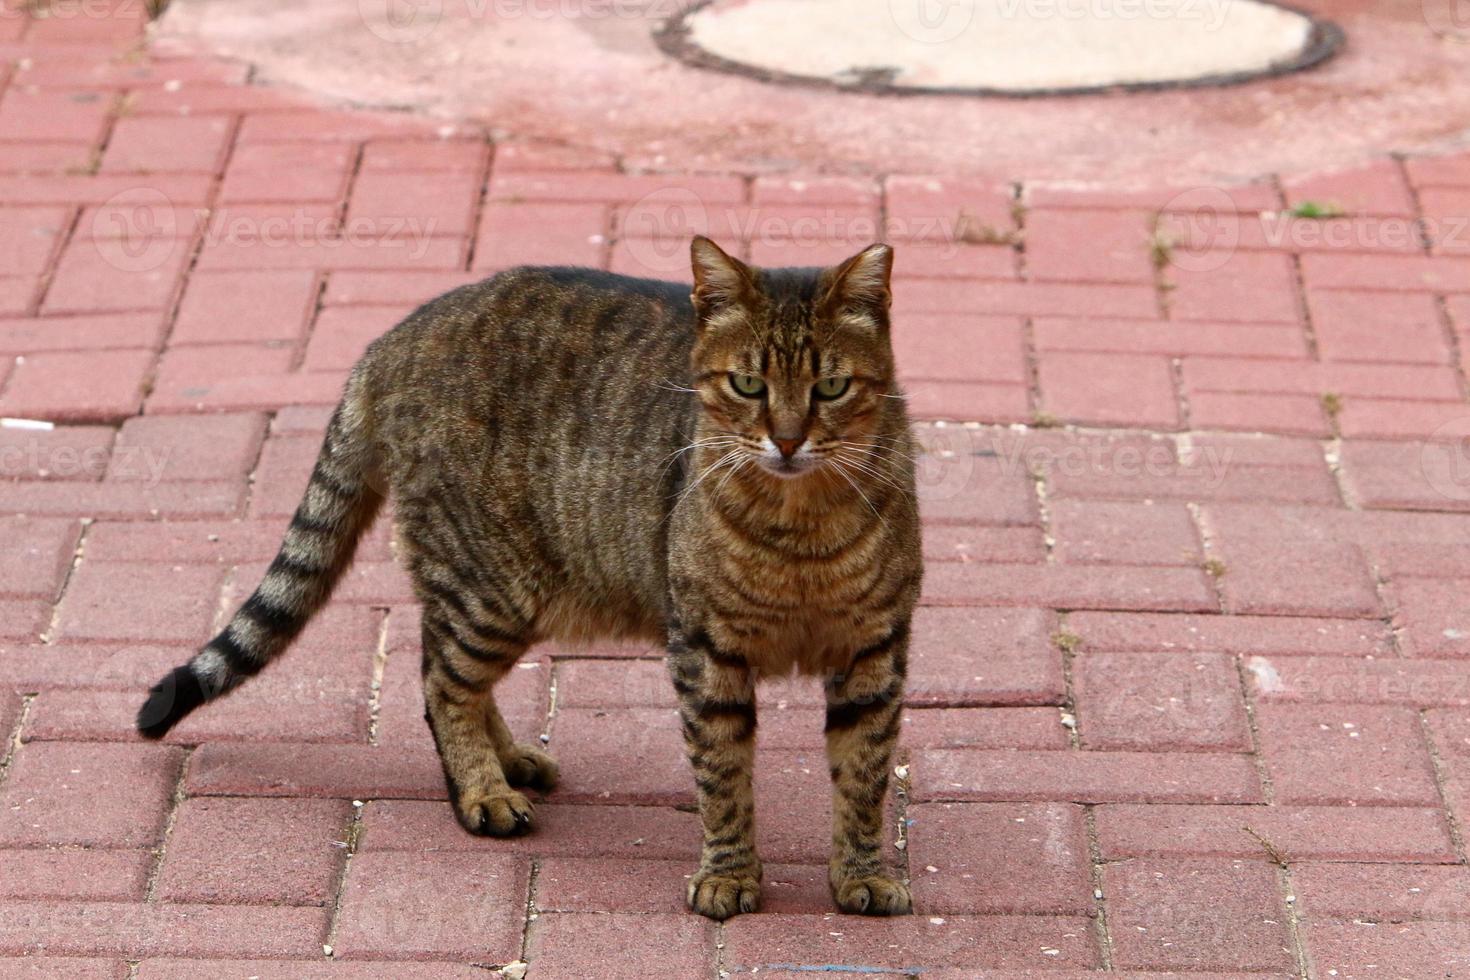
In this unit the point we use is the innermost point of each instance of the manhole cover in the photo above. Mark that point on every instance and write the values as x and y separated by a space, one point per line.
999 47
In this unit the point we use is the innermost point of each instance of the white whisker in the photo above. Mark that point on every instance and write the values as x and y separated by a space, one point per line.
842 472
731 471
873 474
698 443
873 459
873 448
714 442
715 466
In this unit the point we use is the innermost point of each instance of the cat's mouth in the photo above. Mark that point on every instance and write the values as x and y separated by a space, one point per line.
788 469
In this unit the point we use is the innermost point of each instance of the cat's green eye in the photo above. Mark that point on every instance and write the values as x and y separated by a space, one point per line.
749 385
830 388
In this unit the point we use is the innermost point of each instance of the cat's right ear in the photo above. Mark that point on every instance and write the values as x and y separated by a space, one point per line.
720 280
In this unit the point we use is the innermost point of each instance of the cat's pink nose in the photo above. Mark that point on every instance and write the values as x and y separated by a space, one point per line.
788 447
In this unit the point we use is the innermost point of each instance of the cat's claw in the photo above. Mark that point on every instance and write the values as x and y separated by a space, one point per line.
872 895
501 815
721 895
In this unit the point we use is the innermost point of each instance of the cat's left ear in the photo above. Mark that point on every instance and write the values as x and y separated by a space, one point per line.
861 284
720 280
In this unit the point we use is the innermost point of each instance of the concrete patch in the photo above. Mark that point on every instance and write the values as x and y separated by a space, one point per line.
1014 46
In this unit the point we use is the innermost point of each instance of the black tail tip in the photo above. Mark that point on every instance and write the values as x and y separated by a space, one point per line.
169 701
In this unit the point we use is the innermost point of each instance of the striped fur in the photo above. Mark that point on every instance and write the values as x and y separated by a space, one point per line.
339 504
569 458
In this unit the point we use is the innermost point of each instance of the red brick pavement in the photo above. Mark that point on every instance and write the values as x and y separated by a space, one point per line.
1191 687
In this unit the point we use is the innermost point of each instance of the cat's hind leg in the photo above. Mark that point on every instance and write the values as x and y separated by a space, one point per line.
461 665
523 764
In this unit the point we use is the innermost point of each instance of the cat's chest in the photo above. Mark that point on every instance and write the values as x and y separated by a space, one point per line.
815 641
788 597
801 616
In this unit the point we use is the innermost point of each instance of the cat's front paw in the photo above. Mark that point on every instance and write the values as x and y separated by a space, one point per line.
496 815
875 894
722 894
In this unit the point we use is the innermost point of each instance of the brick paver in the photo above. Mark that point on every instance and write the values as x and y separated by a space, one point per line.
583 945
78 875
53 793
416 906
1000 858
1161 701
1199 913
104 599
38 555
268 852
1188 689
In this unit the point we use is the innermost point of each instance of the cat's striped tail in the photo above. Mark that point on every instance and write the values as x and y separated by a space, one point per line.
340 502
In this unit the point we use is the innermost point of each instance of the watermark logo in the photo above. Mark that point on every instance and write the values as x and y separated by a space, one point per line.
656 229
932 21
122 677
1444 459
946 465
1198 230
401 21
1450 19
136 230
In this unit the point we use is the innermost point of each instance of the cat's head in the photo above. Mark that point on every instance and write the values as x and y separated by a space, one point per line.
791 364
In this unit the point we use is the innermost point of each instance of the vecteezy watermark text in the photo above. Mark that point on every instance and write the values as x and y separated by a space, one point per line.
1211 13
38 457
140 230
81 9
407 21
956 458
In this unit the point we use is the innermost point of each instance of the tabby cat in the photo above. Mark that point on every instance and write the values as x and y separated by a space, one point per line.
575 455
